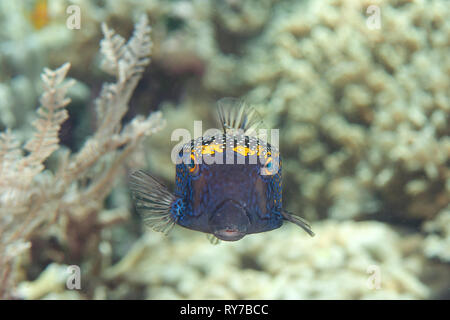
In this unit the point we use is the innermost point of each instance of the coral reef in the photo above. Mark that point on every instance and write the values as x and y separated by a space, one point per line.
363 115
23 55
284 264
71 196
369 98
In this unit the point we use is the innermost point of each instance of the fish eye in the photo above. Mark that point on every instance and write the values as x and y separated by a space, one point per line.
193 166
268 168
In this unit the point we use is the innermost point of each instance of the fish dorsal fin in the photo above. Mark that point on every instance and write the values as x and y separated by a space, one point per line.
213 239
236 117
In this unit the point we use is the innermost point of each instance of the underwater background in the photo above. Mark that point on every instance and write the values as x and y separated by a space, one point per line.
360 93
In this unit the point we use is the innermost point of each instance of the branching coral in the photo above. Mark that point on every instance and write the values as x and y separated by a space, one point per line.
72 195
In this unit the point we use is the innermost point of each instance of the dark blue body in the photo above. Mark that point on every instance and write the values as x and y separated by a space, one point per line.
228 195
227 184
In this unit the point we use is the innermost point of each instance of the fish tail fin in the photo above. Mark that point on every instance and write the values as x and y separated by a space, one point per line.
298 221
235 115
153 201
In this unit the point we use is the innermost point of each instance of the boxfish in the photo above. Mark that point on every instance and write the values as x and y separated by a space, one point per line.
227 185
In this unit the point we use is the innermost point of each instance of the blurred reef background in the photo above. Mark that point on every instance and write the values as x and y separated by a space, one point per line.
364 127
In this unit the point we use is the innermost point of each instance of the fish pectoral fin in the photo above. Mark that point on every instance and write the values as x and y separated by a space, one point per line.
235 114
213 239
153 201
298 221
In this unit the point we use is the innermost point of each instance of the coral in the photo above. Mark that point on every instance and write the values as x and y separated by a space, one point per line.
244 17
71 195
437 243
23 54
363 118
284 264
362 113
51 280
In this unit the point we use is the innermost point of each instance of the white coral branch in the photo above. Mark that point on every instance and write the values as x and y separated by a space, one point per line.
10 153
30 198
52 114
127 62
112 48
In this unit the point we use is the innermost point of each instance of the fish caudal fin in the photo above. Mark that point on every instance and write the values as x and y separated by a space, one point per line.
235 115
298 221
153 201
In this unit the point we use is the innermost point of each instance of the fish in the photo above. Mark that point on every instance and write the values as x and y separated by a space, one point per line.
227 185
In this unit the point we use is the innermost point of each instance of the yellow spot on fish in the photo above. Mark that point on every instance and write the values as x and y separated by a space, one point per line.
211 149
243 150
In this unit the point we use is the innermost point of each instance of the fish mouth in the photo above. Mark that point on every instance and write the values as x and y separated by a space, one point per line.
229 234
230 221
